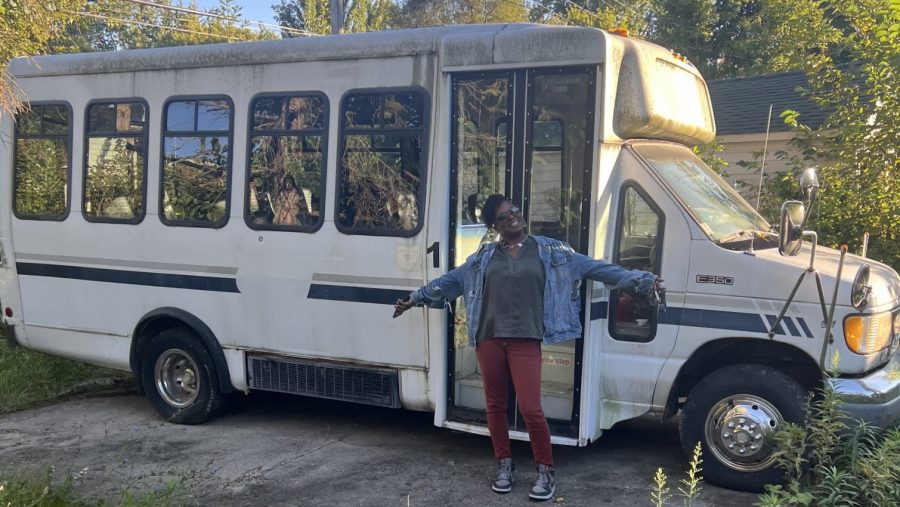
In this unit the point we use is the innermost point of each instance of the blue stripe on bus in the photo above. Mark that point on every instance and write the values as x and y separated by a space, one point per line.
806 330
772 319
789 322
193 282
356 294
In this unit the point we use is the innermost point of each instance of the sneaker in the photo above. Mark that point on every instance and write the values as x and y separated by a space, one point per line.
545 484
506 476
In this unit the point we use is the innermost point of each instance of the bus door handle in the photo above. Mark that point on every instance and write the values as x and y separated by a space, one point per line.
435 251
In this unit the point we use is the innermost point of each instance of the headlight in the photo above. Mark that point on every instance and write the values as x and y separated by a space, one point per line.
867 334
859 293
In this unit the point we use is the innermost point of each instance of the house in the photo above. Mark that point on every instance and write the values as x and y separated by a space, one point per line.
741 107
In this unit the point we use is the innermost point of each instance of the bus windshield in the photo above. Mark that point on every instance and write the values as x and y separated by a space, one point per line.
716 206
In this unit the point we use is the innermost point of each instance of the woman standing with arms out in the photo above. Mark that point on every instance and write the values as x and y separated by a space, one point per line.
519 292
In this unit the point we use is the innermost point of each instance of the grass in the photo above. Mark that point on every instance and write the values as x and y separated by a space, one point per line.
44 491
29 378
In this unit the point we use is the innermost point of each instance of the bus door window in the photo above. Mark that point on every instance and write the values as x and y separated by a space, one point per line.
638 246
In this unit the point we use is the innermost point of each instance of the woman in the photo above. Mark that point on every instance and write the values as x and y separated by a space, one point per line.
519 292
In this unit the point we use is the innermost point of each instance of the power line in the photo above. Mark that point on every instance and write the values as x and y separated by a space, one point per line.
151 25
195 12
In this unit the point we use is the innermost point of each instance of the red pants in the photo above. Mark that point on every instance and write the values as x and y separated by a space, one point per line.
500 358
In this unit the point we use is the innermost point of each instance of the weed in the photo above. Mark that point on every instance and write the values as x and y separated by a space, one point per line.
689 490
829 463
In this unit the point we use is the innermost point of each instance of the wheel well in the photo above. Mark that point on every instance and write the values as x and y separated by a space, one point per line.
726 352
165 318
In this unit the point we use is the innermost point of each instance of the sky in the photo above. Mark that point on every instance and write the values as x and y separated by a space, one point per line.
251 10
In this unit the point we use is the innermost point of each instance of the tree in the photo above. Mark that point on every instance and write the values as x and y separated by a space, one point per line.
26 26
110 25
416 13
855 148
314 16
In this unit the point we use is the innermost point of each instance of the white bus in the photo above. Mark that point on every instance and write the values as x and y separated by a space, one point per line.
237 217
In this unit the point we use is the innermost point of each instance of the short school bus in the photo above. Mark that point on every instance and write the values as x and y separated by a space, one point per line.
241 217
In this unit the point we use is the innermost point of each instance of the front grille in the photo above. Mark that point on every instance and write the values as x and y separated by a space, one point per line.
369 386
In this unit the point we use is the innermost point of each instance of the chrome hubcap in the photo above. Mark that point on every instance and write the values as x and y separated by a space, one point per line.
176 378
739 431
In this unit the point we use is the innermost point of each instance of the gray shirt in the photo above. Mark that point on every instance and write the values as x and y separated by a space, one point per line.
513 295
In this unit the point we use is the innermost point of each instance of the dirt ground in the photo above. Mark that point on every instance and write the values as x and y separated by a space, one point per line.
284 450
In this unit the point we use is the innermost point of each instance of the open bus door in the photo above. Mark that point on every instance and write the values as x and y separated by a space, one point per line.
526 134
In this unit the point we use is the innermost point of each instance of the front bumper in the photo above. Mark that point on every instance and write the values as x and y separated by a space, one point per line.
874 398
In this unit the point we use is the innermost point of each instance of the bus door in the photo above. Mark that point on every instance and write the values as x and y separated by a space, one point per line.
526 134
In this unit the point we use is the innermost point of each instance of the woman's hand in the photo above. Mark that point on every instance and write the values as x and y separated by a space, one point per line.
401 306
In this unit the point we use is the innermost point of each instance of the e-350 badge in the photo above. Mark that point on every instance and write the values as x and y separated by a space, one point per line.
717 279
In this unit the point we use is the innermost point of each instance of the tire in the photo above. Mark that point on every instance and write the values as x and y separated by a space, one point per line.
752 399
180 379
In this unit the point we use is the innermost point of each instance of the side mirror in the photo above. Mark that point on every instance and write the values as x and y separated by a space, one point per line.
790 235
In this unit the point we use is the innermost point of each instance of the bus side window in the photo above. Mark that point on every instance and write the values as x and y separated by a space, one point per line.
115 163
286 177
196 161
638 246
382 168
42 162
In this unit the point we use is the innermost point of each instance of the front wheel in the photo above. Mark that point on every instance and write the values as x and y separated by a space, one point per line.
734 413
180 379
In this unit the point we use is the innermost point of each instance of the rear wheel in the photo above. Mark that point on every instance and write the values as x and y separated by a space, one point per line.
734 413
180 379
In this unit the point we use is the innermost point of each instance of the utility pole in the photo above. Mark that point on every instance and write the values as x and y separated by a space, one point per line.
337 16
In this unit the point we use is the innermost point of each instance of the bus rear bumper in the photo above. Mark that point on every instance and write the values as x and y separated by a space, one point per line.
874 398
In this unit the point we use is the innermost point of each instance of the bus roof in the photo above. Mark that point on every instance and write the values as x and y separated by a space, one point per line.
654 94
459 44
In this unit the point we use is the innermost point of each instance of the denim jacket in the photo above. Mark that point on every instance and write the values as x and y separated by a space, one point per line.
564 269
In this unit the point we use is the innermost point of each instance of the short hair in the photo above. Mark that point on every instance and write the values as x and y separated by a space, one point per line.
489 210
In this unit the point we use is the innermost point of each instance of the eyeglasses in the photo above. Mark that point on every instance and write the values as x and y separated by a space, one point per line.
506 215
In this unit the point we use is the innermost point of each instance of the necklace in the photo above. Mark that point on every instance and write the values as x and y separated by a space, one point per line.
505 245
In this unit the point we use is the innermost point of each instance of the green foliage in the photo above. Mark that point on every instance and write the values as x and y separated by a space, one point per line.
44 490
26 27
314 16
855 147
709 153
417 13
41 171
113 25
28 378
829 464
114 179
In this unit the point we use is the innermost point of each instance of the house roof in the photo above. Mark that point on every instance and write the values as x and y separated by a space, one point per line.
741 104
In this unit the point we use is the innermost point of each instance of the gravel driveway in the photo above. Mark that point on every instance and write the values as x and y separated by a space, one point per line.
284 450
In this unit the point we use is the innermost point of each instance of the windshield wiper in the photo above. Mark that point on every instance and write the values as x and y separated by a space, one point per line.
745 235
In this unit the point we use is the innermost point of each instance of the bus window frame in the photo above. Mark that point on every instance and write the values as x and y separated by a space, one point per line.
323 186
70 139
194 133
145 133
424 132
